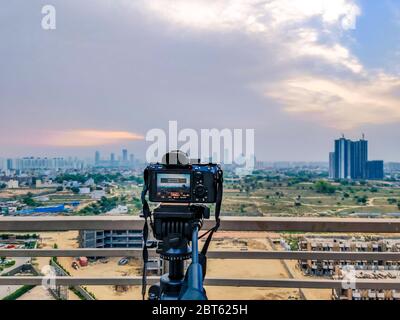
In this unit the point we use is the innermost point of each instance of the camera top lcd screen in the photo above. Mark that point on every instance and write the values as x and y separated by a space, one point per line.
173 186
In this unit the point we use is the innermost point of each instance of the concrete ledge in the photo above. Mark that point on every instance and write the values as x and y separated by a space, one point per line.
262 283
62 223
271 255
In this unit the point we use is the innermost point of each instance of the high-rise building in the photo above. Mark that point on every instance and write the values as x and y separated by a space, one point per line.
375 170
112 158
359 159
350 161
343 150
124 155
10 165
331 165
97 158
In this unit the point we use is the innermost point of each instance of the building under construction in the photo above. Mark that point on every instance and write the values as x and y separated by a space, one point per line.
349 290
347 244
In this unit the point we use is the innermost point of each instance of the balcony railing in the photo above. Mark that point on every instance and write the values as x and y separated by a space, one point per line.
326 225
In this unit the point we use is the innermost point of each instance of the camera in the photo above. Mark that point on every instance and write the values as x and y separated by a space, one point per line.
183 183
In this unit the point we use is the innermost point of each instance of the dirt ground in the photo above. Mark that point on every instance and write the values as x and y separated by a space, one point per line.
37 293
10 193
216 268
255 269
310 294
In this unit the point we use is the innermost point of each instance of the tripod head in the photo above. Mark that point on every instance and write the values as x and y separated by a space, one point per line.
173 226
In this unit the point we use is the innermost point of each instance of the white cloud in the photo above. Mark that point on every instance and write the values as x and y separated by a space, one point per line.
306 34
238 14
340 104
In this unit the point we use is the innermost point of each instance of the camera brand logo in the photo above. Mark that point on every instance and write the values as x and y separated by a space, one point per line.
219 146
49 18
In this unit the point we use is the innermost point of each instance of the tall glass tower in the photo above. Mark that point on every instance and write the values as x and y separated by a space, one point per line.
343 151
349 161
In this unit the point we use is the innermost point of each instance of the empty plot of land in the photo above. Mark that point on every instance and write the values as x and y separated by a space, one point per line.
37 293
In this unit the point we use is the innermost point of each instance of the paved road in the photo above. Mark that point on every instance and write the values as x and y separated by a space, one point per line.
6 290
18 262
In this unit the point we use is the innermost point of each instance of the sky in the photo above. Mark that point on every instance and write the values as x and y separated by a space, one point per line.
298 72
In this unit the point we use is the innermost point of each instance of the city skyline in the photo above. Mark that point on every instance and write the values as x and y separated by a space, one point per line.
297 72
118 152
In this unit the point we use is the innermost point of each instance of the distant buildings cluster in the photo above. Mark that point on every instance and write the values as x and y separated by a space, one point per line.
26 164
282 165
112 161
31 163
350 161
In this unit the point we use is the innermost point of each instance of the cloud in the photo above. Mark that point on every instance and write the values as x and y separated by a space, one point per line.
307 36
338 103
85 138
252 15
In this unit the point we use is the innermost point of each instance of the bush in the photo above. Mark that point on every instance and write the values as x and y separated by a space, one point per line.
9 264
362 199
75 190
324 187
29 201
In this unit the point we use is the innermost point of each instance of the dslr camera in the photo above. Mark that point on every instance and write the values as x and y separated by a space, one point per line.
177 182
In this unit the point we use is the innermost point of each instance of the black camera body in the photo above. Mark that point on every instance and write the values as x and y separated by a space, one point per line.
193 183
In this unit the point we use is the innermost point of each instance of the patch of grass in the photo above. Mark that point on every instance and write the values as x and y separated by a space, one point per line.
19 292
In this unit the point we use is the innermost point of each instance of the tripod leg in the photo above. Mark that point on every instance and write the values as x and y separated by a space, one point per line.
193 287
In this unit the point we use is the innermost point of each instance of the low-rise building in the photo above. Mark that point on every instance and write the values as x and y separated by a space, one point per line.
98 194
349 290
13 184
119 239
110 239
347 244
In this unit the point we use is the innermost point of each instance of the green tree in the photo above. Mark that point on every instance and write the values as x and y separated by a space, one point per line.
75 190
324 187
29 201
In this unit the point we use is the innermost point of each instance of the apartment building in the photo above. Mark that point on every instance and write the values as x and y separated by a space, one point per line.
361 244
119 239
110 239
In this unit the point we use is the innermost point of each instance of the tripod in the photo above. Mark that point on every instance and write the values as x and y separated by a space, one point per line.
175 226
